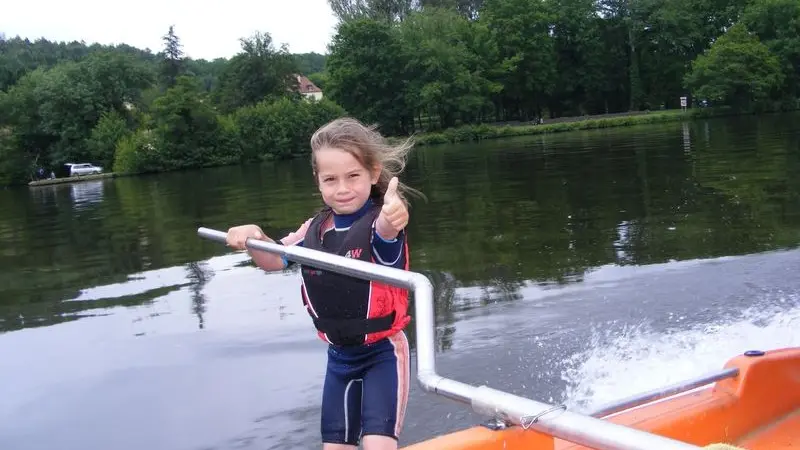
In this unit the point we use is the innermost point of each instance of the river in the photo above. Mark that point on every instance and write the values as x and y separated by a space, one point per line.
578 268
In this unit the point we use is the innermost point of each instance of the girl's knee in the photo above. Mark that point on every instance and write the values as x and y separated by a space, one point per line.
379 442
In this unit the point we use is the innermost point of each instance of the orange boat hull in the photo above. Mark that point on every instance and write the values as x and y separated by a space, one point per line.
757 409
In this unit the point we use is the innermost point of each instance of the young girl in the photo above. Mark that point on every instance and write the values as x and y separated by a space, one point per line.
367 378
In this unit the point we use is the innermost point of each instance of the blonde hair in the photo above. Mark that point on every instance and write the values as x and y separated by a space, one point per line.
369 148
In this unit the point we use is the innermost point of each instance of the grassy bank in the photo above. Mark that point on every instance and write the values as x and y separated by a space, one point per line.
468 133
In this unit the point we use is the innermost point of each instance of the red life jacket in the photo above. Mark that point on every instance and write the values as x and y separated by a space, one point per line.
348 310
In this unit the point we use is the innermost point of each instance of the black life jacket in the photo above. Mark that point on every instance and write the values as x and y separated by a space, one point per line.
348 310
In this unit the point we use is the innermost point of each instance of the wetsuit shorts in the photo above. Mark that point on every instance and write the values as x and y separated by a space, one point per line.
365 390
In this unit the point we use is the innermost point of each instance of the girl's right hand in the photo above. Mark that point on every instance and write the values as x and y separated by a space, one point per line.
237 236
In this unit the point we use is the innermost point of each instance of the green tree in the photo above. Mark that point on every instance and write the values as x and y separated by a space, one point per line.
737 70
446 78
320 79
188 129
308 63
469 9
139 152
282 129
208 72
173 64
521 31
19 56
625 18
102 143
367 74
258 72
777 25
14 166
579 48
381 10
52 111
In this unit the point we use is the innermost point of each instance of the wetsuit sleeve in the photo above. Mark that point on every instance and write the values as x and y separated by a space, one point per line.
389 253
295 238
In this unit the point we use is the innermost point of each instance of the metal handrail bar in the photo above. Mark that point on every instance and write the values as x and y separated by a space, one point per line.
530 414
664 392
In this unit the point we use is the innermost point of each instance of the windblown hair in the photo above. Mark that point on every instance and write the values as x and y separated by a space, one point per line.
369 148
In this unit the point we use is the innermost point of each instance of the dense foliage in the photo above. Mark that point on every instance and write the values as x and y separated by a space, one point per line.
132 111
408 65
441 63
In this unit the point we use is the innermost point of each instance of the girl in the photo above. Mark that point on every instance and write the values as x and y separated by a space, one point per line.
367 377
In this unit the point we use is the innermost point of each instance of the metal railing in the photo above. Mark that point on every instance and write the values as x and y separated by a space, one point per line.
530 414
664 392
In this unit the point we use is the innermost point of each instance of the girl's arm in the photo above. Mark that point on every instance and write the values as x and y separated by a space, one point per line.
295 238
266 260
270 261
388 236
389 252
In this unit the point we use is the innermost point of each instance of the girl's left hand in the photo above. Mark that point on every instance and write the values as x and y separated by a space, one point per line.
394 214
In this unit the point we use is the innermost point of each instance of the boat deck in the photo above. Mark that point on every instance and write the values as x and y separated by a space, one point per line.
784 434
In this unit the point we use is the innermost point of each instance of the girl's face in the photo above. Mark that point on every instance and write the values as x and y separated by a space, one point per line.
343 182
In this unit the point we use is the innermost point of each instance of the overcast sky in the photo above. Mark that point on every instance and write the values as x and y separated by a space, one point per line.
207 29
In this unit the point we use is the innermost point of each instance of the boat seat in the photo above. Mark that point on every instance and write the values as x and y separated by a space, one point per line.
722 447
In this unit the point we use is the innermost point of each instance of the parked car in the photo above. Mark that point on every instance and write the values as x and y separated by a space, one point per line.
83 169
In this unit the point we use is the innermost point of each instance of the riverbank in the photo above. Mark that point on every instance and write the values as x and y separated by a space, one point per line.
77 179
467 133
474 133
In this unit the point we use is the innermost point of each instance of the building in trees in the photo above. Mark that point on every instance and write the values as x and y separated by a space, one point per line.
307 88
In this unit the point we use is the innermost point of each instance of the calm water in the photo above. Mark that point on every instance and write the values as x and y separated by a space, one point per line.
571 268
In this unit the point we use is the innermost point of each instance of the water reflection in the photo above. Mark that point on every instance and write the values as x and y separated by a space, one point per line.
199 274
45 194
623 242
85 193
501 216
687 137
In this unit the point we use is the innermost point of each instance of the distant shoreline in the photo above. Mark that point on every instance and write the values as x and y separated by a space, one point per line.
474 133
76 179
477 133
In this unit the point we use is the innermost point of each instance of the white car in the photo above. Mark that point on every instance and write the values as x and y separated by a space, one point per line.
83 169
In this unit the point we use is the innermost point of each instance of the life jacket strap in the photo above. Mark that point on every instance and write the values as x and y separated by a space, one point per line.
342 330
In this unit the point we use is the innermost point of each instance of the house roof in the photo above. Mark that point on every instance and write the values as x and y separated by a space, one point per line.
305 86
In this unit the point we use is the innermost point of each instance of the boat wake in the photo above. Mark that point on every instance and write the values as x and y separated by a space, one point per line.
621 363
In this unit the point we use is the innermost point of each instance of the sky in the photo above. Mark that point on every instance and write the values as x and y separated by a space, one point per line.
206 29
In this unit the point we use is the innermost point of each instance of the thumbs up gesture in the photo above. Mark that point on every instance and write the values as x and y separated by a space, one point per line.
394 214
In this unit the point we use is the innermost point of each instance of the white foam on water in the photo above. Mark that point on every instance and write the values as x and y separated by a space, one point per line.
637 359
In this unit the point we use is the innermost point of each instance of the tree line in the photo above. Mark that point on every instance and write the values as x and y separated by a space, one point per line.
408 65
423 64
135 111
